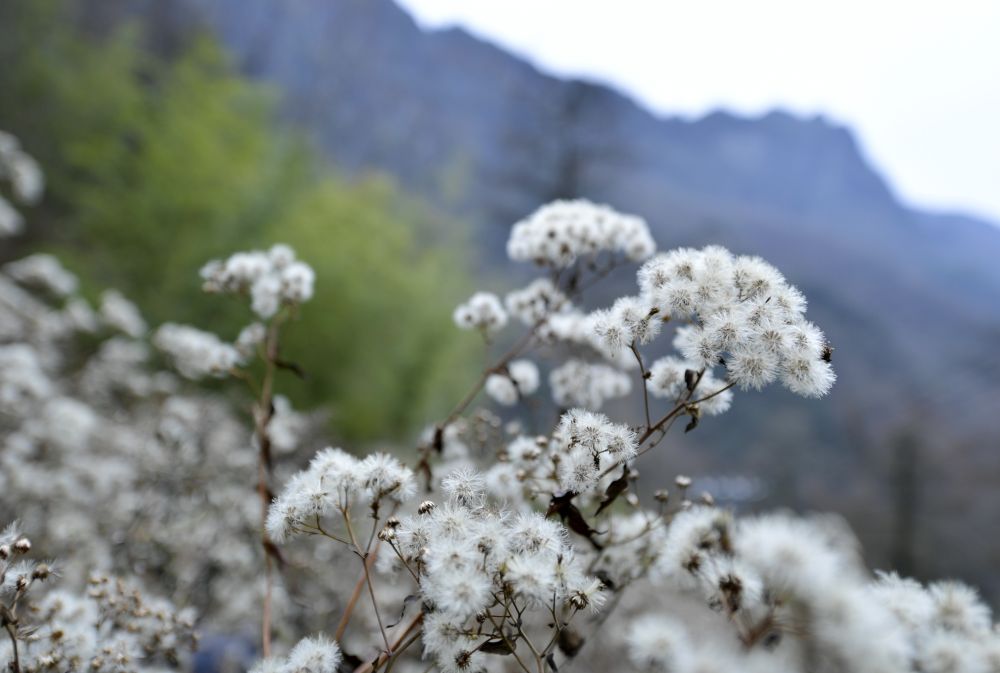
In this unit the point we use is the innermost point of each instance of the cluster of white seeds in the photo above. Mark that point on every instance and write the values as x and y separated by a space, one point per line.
744 316
196 353
272 278
521 378
559 233
334 481
483 311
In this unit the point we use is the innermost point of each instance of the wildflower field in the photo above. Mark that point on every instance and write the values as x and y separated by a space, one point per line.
158 486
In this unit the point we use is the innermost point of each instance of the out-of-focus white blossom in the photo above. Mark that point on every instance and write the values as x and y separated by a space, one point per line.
272 278
536 301
43 271
520 379
196 353
121 314
483 312
562 231
583 384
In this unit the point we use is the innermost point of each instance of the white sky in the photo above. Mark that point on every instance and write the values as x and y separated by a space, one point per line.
918 80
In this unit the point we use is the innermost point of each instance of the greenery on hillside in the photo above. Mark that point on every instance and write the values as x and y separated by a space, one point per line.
156 165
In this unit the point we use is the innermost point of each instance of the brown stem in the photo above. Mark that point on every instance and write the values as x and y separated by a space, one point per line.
364 555
642 380
368 666
13 642
263 416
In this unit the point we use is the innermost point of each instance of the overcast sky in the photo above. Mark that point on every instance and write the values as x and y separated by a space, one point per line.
918 80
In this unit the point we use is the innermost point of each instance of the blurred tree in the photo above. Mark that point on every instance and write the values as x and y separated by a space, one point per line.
157 165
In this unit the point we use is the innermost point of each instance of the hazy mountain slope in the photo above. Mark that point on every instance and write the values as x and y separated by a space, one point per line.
911 300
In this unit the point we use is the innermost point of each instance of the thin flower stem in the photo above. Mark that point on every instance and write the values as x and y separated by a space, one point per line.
399 651
507 642
365 555
16 662
369 667
642 380
262 416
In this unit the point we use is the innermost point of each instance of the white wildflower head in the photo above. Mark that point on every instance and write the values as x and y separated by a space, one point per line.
557 234
272 278
744 317
482 312
520 379
317 654
196 353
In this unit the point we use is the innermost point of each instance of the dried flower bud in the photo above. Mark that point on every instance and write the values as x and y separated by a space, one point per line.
22 546
42 572
707 499
662 495
426 507
682 481
392 522
5 551
387 534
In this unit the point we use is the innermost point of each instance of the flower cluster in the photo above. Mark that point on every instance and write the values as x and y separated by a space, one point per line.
316 654
559 233
520 378
334 481
478 567
744 315
793 590
196 353
483 311
577 383
273 279
536 301
114 629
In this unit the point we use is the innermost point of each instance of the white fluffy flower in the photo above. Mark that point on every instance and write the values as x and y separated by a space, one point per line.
272 279
745 317
121 314
560 232
583 384
196 353
483 312
520 379
317 654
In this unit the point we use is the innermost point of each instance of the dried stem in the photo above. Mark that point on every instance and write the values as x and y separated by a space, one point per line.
364 556
369 667
643 375
263 414
16 663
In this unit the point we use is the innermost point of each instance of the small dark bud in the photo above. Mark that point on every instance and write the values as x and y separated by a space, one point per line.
22 546
690 379
426 507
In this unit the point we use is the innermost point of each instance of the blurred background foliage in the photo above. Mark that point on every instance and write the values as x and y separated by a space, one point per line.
157 163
